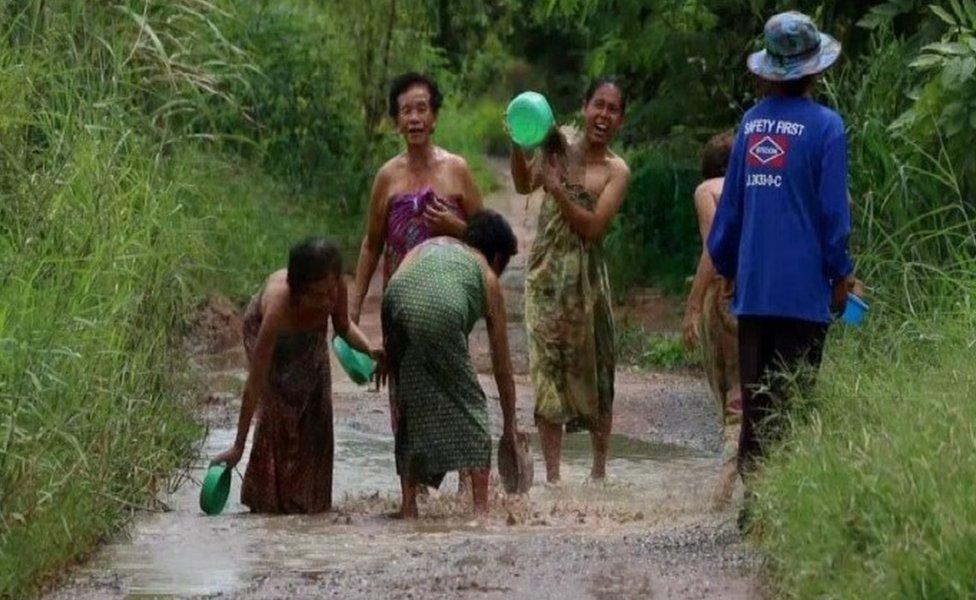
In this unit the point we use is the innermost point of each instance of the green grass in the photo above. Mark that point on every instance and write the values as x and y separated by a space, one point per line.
653 350
92 398
117 214
249 221
875 490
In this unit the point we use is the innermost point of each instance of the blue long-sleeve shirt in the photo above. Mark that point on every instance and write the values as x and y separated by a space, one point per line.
782 225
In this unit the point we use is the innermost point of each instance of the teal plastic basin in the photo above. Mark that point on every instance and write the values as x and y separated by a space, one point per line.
529 119
215 489
360 367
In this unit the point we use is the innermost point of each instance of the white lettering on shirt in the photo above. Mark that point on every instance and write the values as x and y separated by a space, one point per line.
764 180
774 126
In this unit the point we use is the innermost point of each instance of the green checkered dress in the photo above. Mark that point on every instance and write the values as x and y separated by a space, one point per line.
429 308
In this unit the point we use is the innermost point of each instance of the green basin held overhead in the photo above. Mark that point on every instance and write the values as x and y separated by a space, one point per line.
529 119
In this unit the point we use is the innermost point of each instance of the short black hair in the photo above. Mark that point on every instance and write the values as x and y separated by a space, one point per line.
489 233
715 155
312 260
598 83
405 82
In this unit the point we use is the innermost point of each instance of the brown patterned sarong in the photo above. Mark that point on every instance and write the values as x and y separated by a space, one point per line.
290 467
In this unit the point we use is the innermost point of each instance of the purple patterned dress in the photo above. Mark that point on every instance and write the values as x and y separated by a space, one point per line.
406 225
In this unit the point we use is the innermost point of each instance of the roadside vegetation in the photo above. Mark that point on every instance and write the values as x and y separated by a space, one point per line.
153 153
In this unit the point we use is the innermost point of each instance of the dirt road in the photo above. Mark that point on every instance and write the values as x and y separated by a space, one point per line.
648 532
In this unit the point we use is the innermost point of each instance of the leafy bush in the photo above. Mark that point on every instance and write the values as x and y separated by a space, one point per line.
655 240
116 215
300 110
947 100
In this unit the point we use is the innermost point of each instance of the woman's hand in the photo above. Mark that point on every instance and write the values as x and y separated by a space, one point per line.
378 354
442 221
229 457
554 177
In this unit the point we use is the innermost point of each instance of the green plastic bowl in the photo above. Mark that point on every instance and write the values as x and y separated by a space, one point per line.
216 488
529 119
358 366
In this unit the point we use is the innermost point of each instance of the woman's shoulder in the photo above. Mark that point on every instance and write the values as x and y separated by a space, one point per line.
391 166
707 193
276 291
451 161
617 164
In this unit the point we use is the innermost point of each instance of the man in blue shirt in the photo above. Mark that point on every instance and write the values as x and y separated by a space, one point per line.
782 226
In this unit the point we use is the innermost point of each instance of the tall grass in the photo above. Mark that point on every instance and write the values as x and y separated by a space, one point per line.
117 212
871 496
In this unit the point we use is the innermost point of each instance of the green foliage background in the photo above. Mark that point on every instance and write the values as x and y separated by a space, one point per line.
153 152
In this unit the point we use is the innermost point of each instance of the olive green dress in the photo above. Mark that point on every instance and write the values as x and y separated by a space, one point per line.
569 321
429 308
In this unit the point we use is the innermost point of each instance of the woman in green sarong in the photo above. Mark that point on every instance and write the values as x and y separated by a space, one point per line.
440 290
567 291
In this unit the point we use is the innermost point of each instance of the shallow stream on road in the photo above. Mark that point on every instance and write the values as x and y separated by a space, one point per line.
183 552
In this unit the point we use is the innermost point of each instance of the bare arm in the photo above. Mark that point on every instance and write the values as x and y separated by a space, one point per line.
354 336
523 174
372 247
705 209
260 362
591 225
501 360
344 326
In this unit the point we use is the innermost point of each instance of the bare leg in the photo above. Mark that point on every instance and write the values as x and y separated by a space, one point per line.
479 491
729 473
408 507
551 436
725 485
464 481
600 438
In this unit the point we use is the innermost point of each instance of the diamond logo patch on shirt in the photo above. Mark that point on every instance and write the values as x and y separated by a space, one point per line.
767 150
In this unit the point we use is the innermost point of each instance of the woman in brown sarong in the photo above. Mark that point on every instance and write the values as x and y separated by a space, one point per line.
709 319
286 338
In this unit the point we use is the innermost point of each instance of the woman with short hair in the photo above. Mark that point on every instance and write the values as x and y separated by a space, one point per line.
423 192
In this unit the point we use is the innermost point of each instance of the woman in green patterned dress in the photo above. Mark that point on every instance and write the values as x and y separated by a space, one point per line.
440 290
567 292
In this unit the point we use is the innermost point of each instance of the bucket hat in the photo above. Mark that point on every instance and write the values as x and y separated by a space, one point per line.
794 49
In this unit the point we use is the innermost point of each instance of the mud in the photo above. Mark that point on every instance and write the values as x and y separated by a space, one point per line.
646 532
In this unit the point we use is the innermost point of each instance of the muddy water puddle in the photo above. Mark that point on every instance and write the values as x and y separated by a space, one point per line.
182 552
